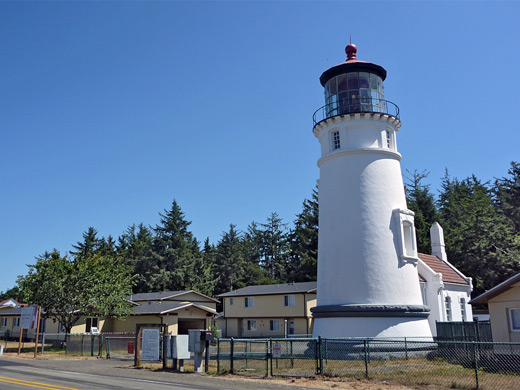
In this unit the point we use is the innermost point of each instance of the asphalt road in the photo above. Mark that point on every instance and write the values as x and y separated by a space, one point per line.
101 374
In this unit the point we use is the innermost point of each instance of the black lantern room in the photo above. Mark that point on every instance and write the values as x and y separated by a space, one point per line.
354 87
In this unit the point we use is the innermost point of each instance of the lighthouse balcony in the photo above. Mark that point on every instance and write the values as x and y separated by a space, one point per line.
355 105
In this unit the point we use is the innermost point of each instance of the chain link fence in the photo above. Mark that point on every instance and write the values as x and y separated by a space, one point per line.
409 362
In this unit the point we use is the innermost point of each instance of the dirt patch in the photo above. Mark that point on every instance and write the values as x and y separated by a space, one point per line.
320 382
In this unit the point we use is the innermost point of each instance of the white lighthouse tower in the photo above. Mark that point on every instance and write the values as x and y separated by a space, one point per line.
368 284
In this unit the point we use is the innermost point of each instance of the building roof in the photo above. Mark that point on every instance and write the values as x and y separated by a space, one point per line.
449 273
164 296
167 307
11 311
497 290
268 289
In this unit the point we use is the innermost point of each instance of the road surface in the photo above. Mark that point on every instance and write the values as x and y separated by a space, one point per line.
102 374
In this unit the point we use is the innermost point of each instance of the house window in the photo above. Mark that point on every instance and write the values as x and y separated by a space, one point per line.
251 325
248 301
91 323
463 308
289 300
16 322
4 322
231 301
447 303
274 325
336 144
514 319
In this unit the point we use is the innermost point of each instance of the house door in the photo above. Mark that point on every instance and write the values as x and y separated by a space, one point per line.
291 327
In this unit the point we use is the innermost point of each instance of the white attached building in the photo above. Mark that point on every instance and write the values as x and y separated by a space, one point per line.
445 290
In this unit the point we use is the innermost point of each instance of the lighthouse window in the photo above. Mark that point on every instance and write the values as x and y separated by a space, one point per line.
335 140
388 139
354 92
408 239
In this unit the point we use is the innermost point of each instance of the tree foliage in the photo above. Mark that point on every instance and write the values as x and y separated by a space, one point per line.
479 239
422 202
95 285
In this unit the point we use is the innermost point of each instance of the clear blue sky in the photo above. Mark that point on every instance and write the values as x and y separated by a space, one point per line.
110 110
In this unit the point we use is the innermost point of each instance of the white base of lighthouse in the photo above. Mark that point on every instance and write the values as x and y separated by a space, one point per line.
387 327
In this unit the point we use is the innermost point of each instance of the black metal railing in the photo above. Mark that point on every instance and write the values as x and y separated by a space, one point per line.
355 105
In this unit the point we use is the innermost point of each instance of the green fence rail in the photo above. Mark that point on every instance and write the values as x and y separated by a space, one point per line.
407 361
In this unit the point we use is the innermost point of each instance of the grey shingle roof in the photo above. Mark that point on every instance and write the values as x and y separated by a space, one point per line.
164 295
11 311
165 307
267 289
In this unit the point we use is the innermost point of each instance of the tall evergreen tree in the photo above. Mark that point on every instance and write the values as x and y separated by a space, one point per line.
479 239
135 246
90 245
174 251
422 202
229 265
303 240
202 278
507 195
275 248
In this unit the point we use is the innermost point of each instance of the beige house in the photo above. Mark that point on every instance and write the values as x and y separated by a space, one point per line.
275 310
180 310
504 309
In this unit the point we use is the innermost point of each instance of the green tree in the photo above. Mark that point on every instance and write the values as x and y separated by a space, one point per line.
229 265
422 202
507 195
90 245
135 246
174 252
303 240
12 293
96 285
274 250
479 239
202 278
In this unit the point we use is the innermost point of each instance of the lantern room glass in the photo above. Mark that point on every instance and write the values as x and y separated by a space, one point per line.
354 92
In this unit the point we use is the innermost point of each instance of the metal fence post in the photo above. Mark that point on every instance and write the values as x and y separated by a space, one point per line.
218 354
365 344
475 354
232 344
267 358
405 349
43 342
82 344
319 362
100 352
92 345
292 357
271 353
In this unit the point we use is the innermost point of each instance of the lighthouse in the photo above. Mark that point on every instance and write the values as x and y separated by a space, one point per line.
368 284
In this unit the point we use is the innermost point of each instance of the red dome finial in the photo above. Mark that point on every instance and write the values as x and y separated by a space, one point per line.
351 51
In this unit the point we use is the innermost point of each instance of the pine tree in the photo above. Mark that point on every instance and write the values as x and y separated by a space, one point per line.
202 279
479 239
90 245
174 251
422 202
274 253
135 247
507 196
229 265
304 242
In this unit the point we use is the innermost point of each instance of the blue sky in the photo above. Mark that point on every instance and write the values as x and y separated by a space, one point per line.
110 110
